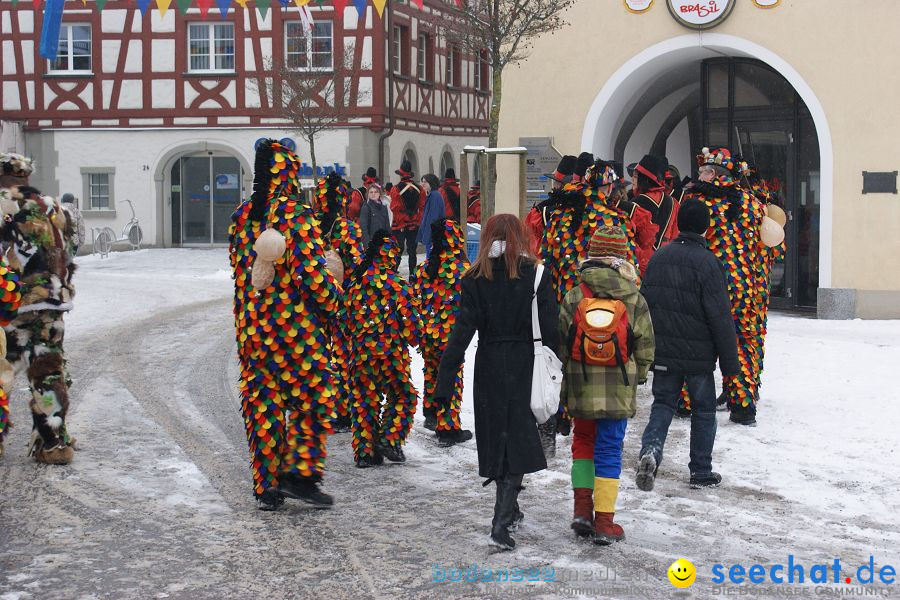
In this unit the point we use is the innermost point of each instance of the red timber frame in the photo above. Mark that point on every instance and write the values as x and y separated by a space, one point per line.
430 107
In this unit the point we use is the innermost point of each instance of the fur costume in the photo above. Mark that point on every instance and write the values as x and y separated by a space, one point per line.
287 386
437 285
36 235
734 238
382 321
343 237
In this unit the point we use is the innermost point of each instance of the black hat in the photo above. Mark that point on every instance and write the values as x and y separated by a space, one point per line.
618 167
693 216
371 176
450 174
564 170
585 160
405 169
653 167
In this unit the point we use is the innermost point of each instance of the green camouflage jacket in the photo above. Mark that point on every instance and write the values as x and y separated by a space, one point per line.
604 394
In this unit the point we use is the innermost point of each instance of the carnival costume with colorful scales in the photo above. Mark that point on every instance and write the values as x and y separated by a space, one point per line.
437 285
284 298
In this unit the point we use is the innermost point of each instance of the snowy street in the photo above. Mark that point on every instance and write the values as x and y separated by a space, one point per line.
158 502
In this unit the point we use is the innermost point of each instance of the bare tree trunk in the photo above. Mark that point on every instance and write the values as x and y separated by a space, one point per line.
488 200
312 158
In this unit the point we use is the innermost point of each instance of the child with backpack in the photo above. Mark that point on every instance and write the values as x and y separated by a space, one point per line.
607 347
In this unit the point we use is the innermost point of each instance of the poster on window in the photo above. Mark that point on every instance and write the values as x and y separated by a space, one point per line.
227 181
638 6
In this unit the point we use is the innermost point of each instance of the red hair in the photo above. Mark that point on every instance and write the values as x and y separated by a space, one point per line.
503 228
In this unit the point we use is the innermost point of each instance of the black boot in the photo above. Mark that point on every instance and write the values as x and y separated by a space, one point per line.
547 432
393 453
453 436
430 415
710 480
722 402
505 511
307 490
342 424
269 500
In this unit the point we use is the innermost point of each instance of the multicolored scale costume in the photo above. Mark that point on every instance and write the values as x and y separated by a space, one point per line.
287 386
734 238
344 237
10 297
382 321
437 286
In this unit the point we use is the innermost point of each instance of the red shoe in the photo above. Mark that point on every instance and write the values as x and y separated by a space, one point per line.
605 531
582 522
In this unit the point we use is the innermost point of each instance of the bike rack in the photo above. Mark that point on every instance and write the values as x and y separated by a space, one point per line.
103 238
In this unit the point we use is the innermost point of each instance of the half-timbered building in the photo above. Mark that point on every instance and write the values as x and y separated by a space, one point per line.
164 109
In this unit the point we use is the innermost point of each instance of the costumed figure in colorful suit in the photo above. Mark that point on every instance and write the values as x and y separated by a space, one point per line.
343 242
382 321
437 285
284 299
36 235
734 237
10 297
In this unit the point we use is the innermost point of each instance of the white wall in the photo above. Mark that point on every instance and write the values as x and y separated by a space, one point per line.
678 148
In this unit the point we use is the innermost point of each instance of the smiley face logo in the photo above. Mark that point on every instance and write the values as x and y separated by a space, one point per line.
682 573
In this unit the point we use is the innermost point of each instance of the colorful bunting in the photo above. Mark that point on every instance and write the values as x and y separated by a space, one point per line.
53 13
37 4
421 4
163 6
183 5
361 7
379 6
339 6
263 7
204 7
143 5
101 4
224 5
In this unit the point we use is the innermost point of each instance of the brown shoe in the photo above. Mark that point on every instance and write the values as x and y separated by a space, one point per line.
605 531
60 455
582 522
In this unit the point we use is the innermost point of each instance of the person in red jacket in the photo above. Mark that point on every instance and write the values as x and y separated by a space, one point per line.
473 204
450 193
407 205
536 219
358 196
650 194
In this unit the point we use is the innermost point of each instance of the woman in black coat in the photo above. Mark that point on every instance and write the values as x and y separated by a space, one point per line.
496 302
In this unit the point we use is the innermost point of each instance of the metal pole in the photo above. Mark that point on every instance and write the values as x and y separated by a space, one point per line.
485 184
464 194
523 187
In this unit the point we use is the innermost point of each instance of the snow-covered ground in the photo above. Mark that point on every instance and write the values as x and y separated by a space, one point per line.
157 502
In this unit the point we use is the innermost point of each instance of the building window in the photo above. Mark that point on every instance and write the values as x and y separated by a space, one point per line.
309 50
425 58
453 66
481 71
400 50
211 47
98 188
73 54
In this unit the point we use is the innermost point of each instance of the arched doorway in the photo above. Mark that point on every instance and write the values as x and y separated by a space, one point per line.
205 187
690 91
446 162
409 153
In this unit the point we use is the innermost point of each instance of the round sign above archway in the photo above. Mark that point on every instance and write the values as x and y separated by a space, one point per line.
700 14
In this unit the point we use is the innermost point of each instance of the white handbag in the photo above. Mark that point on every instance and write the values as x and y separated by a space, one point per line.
546 381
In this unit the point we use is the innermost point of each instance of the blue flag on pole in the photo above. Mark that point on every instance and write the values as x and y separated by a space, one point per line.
360 7
53 12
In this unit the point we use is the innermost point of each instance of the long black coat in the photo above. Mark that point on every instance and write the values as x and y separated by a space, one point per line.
688 298
500 311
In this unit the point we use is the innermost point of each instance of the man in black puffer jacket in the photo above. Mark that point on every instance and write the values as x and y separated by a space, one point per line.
686 291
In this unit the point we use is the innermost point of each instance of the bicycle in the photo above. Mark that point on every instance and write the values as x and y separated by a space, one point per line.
105 237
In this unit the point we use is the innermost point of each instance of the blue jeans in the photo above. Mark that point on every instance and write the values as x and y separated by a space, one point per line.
666 392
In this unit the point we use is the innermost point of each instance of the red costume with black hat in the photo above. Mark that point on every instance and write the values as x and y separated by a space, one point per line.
536 219
358 197
407 205
473 203
650 194
449 191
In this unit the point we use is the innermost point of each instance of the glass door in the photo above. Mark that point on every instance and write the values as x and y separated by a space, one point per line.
195 200
205 192
226 175
768 144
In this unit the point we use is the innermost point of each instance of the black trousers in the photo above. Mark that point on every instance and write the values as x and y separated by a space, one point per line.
406 238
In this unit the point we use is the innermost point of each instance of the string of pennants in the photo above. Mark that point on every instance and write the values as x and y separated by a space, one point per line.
224 5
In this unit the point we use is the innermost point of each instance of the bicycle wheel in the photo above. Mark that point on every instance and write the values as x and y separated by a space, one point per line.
135 236
103 243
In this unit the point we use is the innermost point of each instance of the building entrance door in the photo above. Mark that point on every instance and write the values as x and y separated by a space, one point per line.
753 110
206 189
